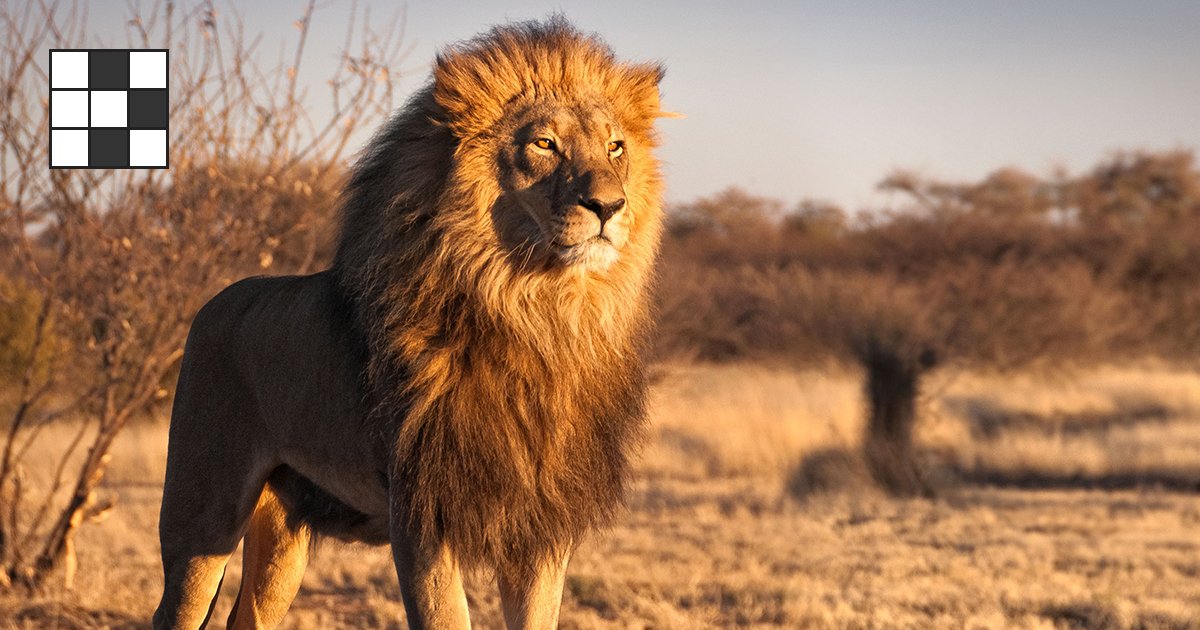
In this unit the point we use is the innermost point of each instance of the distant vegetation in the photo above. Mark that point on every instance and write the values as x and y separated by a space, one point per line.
1002 273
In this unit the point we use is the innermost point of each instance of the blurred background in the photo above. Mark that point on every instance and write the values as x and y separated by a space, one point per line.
928 312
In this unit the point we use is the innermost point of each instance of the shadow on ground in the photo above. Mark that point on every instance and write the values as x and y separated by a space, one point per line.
1173 480
989 422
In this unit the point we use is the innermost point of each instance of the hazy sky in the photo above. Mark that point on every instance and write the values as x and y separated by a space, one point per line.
822 99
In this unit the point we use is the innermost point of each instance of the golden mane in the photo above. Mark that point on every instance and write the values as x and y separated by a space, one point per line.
517 390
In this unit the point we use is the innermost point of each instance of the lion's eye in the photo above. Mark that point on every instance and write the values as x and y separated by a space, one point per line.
545 144
616 148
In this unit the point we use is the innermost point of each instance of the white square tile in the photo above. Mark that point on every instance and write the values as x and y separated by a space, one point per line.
109 109
148 69
68 108
148 147
68 69
68 147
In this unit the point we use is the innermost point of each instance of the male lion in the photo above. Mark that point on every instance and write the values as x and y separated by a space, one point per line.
465 382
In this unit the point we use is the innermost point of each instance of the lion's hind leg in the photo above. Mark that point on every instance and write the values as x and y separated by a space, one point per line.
195 551
189 599
215 475
275 554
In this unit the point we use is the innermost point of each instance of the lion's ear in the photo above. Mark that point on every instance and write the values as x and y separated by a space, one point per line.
638 90
470 93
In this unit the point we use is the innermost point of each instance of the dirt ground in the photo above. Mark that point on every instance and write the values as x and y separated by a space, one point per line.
1064 502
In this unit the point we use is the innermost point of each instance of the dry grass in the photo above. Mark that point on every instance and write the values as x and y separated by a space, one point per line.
713 539
746 420
1109 427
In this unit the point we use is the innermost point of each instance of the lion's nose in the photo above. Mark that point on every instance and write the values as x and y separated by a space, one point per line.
604 208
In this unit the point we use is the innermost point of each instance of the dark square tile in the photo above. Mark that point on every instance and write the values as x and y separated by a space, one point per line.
108 70
147 109
108 148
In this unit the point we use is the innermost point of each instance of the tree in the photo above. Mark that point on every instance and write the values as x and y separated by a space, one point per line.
115 263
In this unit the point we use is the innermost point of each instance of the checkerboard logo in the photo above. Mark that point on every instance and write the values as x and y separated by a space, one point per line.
108 108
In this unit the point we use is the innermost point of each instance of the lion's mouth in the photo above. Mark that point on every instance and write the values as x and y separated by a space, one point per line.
597 252
598 238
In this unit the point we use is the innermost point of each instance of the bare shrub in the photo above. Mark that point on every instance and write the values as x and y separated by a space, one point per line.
116 262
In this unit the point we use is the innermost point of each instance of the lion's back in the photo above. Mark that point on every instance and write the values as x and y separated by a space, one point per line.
285 347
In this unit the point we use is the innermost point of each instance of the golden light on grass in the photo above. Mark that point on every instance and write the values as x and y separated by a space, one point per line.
713 539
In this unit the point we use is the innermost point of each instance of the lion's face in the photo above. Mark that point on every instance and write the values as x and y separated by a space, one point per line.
563 170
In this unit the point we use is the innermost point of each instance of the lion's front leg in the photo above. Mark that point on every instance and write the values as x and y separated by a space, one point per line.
534 602
430 583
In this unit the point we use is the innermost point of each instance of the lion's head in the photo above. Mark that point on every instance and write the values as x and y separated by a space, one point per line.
497 243
562 133
521 179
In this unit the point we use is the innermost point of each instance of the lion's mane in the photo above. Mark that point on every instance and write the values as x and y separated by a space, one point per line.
515 393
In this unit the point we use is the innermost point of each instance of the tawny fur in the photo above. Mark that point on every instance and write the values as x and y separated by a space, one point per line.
466 382
517 388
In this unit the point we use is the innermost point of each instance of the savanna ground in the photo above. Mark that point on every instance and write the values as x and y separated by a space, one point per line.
1064 501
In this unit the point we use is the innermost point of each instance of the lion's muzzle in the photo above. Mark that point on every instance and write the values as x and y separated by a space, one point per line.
596 223
604 208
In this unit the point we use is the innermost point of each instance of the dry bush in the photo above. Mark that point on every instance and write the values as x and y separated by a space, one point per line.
1016 269
727 314
118 261
1139 188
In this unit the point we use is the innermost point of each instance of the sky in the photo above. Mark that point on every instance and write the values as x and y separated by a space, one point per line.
821 100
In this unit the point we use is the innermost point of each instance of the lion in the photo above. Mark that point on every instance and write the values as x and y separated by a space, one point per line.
465 383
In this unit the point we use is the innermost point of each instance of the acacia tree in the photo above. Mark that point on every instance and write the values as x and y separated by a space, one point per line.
112 264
